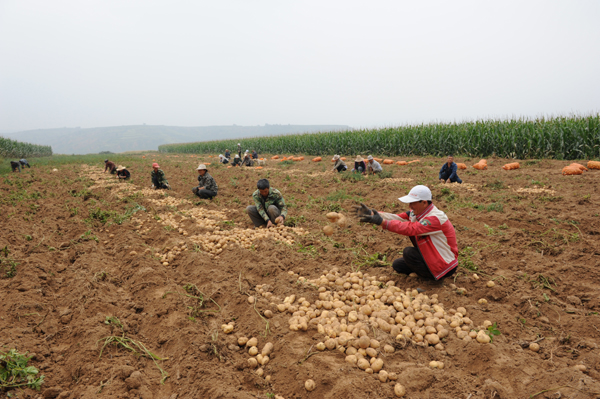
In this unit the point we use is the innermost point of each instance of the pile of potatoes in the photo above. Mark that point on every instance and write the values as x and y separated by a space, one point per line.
169 201
216 242
535 191
397 180
352 305
257 360
171 253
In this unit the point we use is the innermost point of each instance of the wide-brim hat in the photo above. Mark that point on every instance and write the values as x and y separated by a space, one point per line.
335 157
120 168
358 159
370 157
201 167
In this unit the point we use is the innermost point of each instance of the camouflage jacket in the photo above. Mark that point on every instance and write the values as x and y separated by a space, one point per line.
207 182
274 198
159 176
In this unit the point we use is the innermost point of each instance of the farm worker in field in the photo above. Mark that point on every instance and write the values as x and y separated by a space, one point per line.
123 173
236 161
247 160
339 165
448 171
110 166
159 180
359 165
434 254
24 163
227 154
240 150
207 187
223 159
254 154
373 166
269 209
15 165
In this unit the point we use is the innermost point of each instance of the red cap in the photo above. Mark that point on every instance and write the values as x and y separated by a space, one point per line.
155 165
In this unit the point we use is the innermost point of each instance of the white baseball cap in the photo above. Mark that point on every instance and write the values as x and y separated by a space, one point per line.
201 167
417 193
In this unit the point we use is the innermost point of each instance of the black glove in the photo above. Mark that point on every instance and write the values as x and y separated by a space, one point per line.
375 218
362 210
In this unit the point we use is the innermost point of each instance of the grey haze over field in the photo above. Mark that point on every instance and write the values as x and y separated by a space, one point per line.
362 64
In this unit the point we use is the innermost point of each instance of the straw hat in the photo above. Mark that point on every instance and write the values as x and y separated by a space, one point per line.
336 157
370 158
201 167
358 159
120 168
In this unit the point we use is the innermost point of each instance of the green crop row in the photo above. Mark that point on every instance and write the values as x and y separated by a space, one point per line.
16 149
573 137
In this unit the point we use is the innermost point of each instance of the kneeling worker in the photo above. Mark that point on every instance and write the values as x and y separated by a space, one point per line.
236 161
207 187
269 208
448 172
339 165
159 181
434 254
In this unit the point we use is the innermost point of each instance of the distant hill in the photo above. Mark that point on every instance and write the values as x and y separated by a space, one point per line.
147 137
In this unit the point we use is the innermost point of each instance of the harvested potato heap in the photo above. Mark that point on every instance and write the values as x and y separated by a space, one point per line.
397 180
351 306
169 201
171 253
336 219
257 359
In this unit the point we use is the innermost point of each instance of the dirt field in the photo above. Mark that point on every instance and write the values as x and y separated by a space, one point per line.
91 253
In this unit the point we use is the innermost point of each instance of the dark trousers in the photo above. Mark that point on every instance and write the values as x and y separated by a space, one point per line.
156 185
412 262
341 168
206 194
113 171
15 166
446 176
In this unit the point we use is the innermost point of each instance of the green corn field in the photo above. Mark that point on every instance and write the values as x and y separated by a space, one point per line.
572 137
16 149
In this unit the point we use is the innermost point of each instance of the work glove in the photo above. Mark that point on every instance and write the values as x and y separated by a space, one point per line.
375 218
362 210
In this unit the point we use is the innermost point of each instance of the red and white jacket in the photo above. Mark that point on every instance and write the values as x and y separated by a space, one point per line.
432 233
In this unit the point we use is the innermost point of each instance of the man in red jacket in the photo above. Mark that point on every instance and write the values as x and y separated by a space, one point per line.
434 254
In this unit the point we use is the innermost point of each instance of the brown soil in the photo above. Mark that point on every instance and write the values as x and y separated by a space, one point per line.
68 281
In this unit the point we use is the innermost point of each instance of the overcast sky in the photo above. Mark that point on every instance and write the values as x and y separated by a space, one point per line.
359 63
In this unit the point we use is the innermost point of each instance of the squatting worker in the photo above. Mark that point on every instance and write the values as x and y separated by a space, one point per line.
223 159
373 166
207 187
434 254
269 208
24 163
254 154
247 160
236 161
359 165
339 165
227 154
159 180
123 173
110 166
448 171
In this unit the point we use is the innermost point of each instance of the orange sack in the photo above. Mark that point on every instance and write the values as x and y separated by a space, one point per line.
258 167
593 165
572 170
388 161
511 166
317 159
297 159
275 157
414 161
461 166
580 166
378 159
401 163
343 158
481 165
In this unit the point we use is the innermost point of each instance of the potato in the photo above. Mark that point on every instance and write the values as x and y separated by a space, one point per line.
310 385
264 360
351 359
268 314
260 372
227 328
392 376
242 341
328 230
253 351
440 365
388 349
267 349
330 344
399 390
371 352
333 216
320 346
490 284
483 338
377 365
383 376
252 342
433 364
363 364
534 347
252 362
580 367
369 370
364 342
462 311
482 301
251 300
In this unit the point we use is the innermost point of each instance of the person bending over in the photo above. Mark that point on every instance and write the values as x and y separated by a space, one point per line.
339 165
434 254
269 208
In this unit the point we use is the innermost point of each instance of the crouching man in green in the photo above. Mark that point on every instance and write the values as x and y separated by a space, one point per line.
269 209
